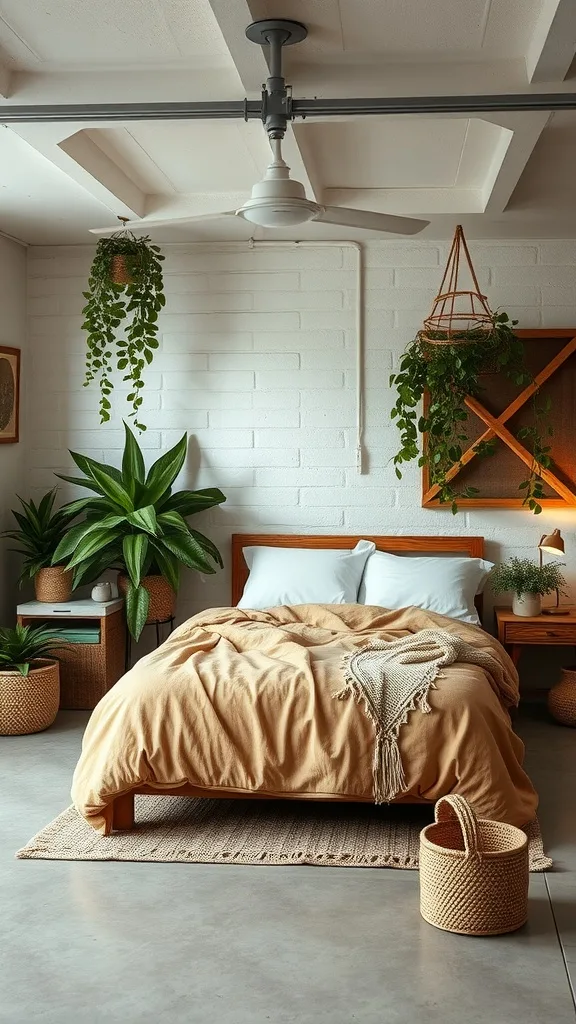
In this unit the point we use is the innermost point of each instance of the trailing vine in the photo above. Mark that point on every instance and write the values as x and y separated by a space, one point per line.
121 319
449 373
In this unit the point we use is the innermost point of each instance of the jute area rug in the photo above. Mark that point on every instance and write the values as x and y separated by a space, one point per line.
204 831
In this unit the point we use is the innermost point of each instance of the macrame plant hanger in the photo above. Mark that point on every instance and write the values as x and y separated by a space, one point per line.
457 311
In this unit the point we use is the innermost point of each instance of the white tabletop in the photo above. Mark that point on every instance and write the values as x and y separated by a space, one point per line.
86 609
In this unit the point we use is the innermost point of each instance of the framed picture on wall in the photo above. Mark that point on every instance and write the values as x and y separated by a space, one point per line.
9 394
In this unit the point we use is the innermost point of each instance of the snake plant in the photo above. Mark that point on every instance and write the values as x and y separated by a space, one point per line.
40 532
21 646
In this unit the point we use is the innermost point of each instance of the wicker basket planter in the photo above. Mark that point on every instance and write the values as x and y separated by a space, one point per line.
562 698
53 585
162 597
29 703
473 872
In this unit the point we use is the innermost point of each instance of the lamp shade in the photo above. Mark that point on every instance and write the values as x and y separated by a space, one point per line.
552 543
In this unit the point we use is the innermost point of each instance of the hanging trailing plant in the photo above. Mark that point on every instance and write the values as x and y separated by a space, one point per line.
449 368
124 297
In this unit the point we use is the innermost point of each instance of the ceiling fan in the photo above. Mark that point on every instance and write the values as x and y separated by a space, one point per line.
278 200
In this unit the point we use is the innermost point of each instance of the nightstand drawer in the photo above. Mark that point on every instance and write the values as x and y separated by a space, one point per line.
539 633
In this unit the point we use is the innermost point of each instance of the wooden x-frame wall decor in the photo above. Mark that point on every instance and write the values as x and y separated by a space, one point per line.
560 480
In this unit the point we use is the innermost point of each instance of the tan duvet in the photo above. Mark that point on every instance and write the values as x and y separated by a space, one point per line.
242 701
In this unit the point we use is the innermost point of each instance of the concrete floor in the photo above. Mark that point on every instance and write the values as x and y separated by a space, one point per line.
211 944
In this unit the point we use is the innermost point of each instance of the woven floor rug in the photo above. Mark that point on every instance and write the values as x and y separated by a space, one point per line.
252 832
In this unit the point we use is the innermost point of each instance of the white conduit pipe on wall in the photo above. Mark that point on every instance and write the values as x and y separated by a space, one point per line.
359 332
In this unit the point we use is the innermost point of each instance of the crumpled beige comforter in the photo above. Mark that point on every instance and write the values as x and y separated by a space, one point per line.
242 701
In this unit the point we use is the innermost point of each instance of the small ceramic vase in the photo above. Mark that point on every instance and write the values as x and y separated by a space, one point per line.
102 592
527 604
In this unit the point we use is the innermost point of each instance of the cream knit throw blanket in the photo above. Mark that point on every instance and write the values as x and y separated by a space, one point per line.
392 679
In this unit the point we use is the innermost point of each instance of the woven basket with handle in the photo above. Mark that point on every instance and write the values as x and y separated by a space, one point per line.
562 698
473 872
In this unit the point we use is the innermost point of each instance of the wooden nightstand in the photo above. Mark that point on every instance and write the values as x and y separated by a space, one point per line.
517 631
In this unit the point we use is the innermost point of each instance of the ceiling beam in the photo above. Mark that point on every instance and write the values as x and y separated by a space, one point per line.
86 164
5 81
513 150
553 43
249 59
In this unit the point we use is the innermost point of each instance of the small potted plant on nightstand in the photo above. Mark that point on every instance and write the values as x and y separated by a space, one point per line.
40 532
29 679
528 582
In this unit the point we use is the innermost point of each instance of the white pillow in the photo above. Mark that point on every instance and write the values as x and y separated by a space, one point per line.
303 575
444 585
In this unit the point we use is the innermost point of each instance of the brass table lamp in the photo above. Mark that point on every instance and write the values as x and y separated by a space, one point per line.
553 543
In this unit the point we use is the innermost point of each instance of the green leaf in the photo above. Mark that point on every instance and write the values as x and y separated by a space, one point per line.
165 470
91 545
86 465
90 485
188 550
112 488
172 521
208 546
137 605
168 564
134 550
144 519
188 503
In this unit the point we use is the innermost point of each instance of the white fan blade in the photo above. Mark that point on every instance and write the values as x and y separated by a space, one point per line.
145 225
371 221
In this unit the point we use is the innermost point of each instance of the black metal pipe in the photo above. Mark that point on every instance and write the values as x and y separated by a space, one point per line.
97 112
252 109
432 104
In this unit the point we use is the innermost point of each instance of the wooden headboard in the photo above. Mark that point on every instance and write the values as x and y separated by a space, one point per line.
471 546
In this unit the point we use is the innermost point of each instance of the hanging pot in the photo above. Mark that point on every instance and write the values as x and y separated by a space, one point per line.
119 272
457 310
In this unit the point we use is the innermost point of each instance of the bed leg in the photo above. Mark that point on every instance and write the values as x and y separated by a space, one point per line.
123 812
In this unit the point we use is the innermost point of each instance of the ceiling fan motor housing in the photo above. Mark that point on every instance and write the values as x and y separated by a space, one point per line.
277 200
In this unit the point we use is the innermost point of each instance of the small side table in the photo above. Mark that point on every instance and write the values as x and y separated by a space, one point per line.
518 631
87 671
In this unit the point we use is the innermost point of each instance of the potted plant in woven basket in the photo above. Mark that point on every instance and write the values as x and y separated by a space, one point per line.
124 297
136 523
460 342
29 679
40 530
528 582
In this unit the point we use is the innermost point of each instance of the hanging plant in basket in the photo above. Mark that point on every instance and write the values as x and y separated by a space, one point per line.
461 341
124 297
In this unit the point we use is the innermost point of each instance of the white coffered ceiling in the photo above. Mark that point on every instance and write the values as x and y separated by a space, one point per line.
502 175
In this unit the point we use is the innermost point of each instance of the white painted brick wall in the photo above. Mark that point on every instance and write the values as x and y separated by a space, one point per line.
257 363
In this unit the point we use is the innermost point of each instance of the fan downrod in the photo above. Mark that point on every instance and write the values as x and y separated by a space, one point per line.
275 33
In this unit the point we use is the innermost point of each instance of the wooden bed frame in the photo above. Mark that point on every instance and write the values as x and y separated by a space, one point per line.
473 547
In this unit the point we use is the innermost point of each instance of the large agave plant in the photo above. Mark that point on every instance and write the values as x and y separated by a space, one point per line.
40 532
136 524
21 646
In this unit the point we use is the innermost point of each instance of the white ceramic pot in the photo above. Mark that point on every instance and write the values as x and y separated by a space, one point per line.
102 592
527 604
